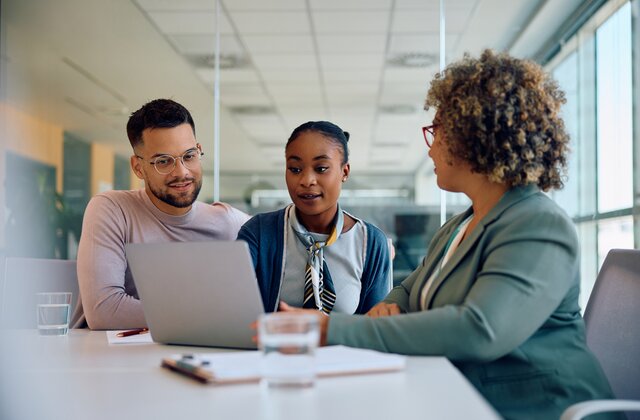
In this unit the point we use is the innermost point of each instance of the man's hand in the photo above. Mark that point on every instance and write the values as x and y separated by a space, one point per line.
383 309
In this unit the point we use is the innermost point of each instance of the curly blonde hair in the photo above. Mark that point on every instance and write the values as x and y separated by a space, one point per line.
502 116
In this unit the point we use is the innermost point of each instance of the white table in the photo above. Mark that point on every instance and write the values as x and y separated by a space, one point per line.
81 376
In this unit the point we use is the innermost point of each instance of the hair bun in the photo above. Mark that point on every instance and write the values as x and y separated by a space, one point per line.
346 135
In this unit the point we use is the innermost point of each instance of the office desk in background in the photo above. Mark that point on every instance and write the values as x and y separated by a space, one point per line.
82 377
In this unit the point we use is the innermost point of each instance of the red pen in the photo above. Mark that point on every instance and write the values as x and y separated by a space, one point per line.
132 332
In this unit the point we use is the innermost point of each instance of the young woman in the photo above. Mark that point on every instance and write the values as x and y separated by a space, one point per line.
313 254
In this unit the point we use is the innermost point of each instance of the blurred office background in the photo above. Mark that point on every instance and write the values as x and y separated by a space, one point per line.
73 70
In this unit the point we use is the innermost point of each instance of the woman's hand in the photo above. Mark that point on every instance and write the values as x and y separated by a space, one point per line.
323 320
383 309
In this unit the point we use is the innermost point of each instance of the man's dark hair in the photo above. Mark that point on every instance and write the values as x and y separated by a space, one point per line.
159 113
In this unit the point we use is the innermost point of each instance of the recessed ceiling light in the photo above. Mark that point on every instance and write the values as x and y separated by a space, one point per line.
412 60
253 110
397 109
227 61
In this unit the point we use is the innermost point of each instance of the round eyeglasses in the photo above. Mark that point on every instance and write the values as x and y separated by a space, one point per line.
429 133
165 164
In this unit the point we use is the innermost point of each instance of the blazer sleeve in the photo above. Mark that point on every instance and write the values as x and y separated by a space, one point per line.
400 294
528 268
377 272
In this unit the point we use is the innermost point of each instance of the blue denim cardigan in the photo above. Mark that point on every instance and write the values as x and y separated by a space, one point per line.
265 235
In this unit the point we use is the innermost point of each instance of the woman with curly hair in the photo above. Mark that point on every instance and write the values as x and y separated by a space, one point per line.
497 293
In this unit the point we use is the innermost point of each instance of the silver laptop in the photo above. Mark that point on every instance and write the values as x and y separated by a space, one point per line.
197 293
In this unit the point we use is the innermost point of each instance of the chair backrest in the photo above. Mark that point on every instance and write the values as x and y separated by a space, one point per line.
24 277
612 320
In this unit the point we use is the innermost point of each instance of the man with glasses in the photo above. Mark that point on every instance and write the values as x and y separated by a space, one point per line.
167 157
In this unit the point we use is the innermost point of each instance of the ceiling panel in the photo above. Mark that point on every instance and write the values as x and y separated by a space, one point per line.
427 42
399 129
232 89
340 99
428 20
309 75
294 89
343 75
243 99
409 75
350 4
264 128
418 4
271 23
230 76
301 102
349 123
271 5
353 44
295 116
434 5
206 44
395 152
172 5
351 61
295 94
370 22
404 89
351 89
274 44
361 111
172 23
285 62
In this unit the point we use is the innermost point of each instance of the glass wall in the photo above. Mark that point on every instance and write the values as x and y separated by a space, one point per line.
595 70
365 65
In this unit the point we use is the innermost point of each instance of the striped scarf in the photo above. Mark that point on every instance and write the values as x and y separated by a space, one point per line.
318 293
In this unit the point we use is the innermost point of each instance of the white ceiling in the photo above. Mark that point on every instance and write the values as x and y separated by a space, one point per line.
87 64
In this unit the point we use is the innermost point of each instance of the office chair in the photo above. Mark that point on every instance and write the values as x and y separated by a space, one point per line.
613 334
23 278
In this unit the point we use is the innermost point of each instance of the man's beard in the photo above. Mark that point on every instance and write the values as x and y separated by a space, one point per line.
178 201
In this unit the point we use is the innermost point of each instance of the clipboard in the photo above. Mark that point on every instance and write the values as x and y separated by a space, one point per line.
198 367
245 367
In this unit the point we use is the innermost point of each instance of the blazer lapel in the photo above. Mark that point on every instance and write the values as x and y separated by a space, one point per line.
508 199
455 259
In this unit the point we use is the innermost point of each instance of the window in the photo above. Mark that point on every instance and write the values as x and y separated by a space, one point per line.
595 71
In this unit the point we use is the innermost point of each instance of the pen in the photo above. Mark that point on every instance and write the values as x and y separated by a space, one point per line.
132 332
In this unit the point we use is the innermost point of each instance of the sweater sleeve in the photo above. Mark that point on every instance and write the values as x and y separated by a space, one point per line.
101 269
235 219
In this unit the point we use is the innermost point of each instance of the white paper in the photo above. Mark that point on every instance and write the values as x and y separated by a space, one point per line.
112 338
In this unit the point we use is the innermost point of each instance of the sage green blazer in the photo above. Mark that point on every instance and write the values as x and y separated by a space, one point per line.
504 309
